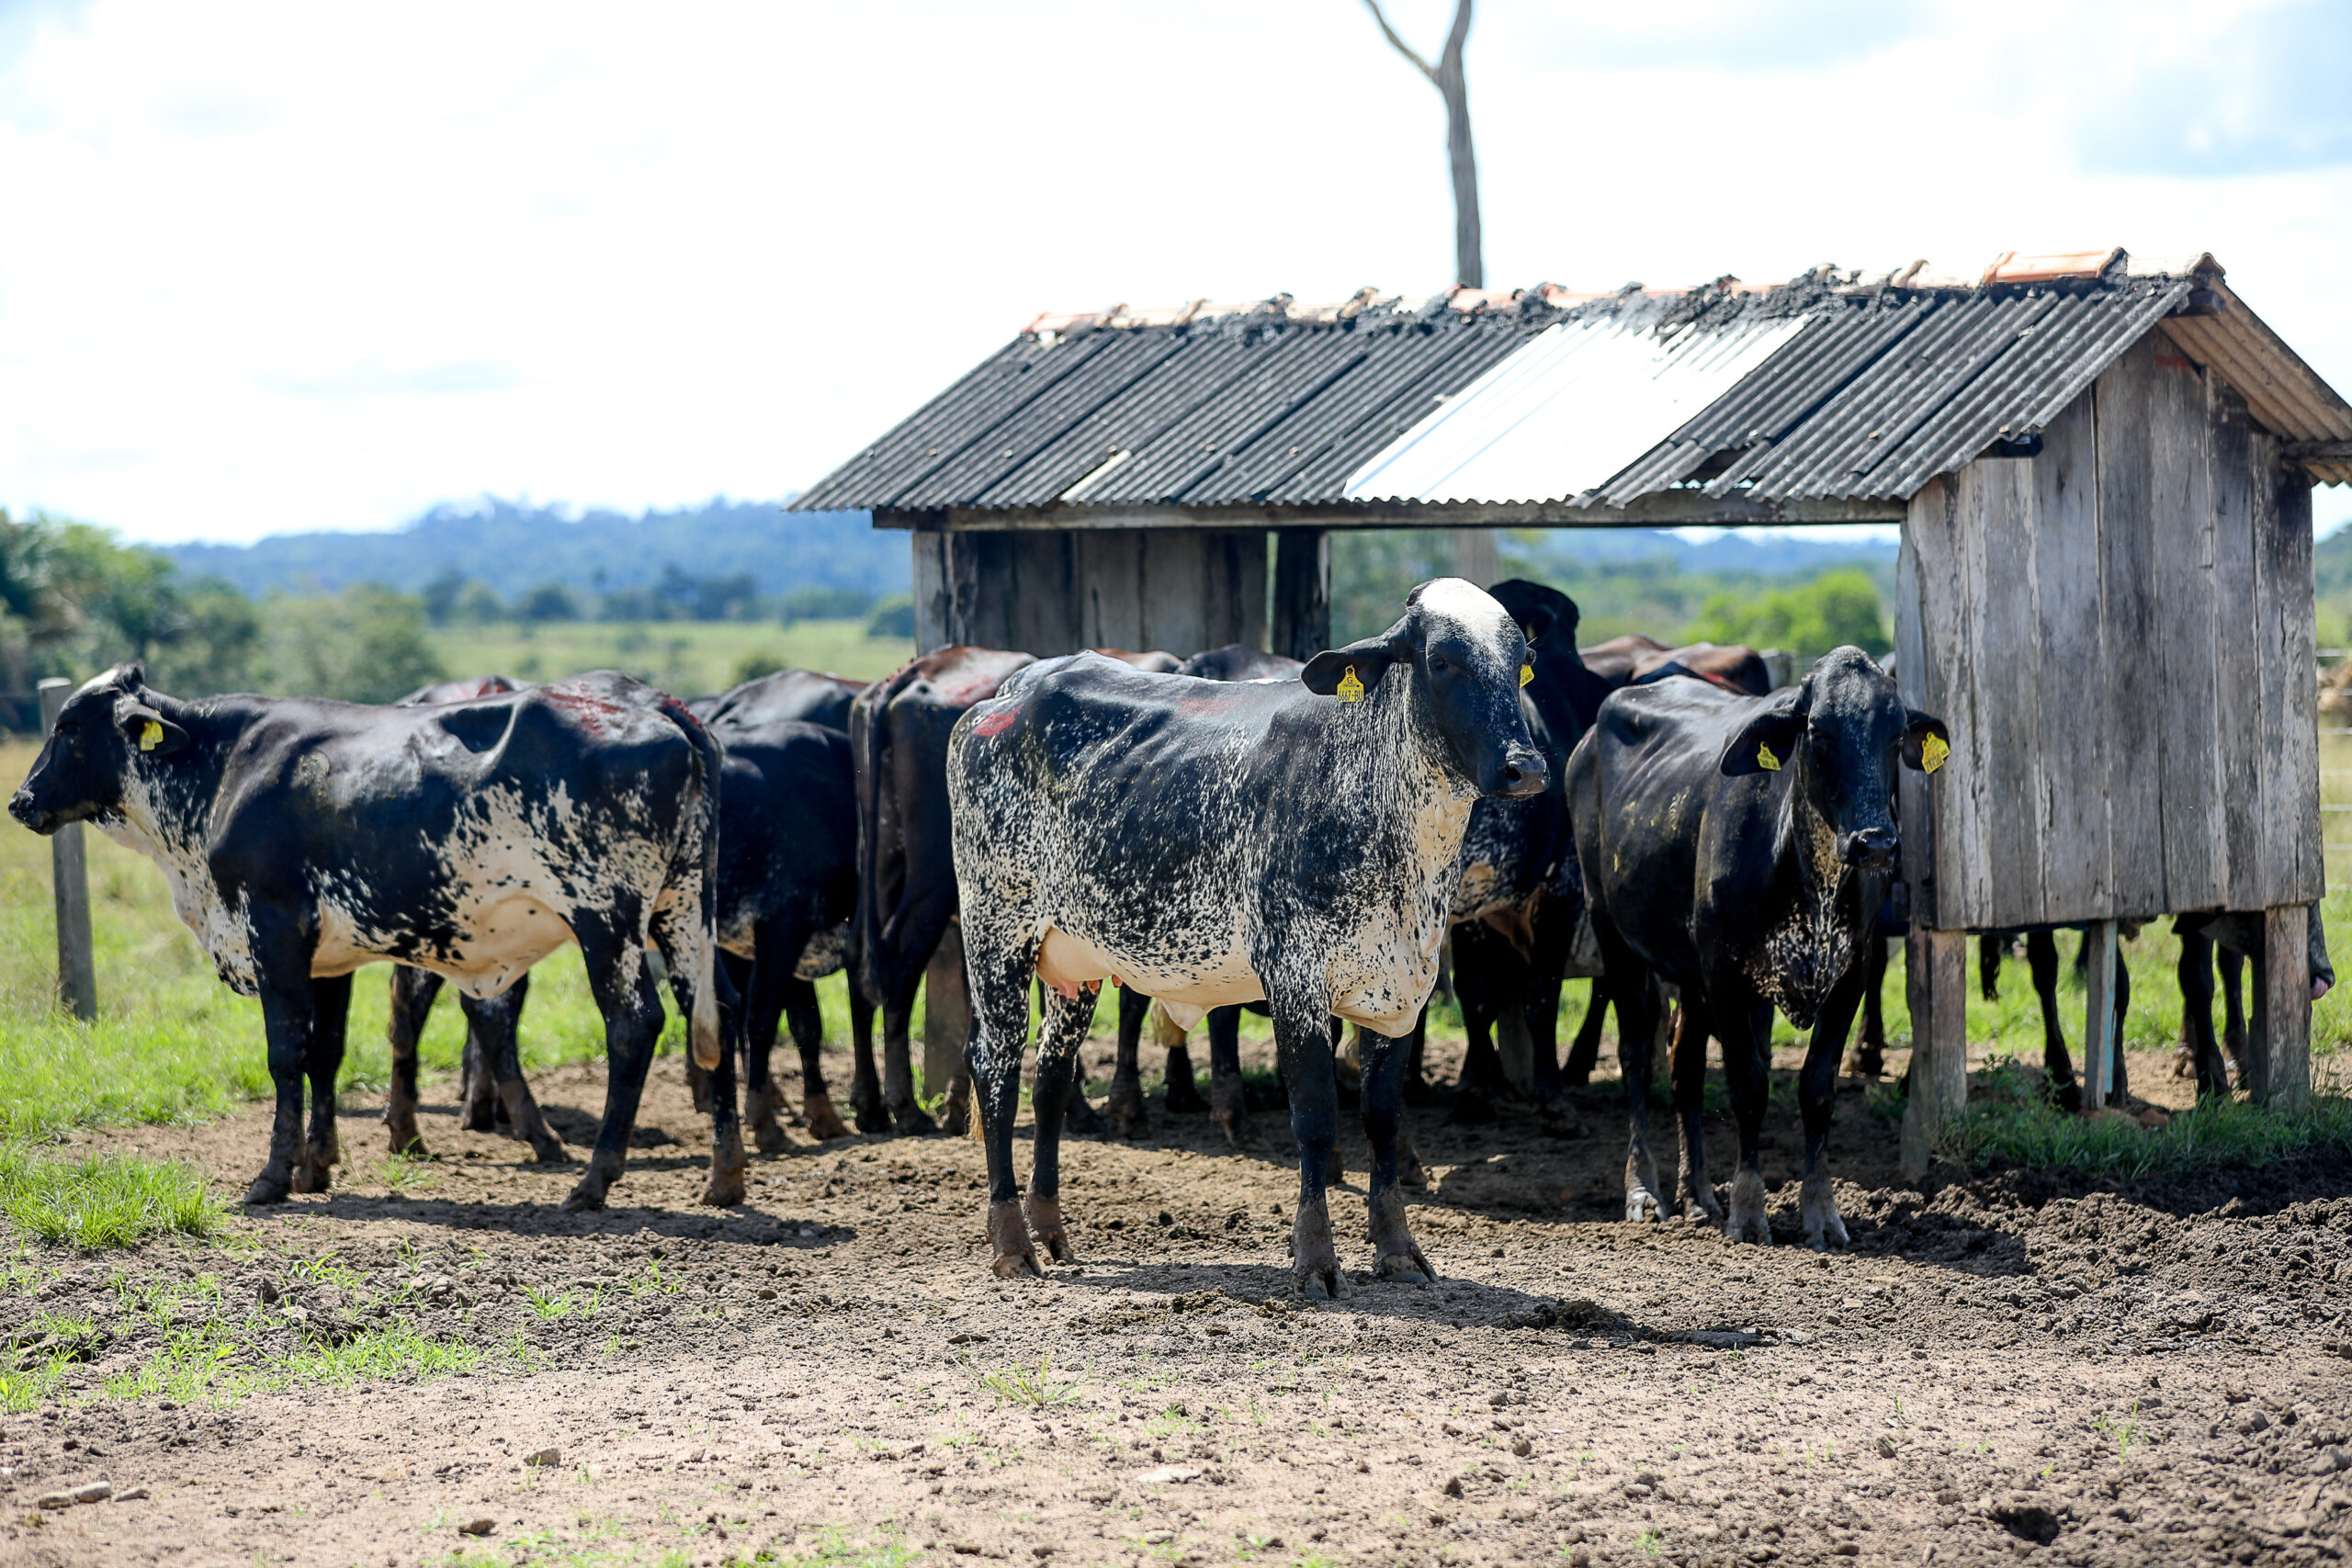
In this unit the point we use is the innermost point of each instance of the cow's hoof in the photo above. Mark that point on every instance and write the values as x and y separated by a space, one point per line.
2234 1042
1009 1239
547 1148
725 1188
310 1176
590 1193
768 1137
409 1142
1864 1064
2184 1061
1396 1257
1408 1268
1079 1118
824 1121
1046 1225
1824 1227
1184 1098
1126 1110
1411 1171
912 1120
267 1188
865 1107
480 1118
1314 1261
1643 1206
2068 1098
1699 1201
1749 1221
956 1120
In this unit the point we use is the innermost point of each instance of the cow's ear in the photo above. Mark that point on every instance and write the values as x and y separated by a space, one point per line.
148 730
1927 744
1766 742
1349 673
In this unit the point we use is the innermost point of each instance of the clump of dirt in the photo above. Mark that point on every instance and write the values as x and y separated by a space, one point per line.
2012 1363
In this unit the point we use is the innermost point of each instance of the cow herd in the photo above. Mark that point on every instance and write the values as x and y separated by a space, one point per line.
1232 830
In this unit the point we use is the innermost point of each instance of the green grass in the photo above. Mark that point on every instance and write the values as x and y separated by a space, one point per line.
689 658
105 1200
2008 1118
1025 1385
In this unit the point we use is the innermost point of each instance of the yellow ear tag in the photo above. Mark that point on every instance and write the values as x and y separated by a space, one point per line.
1766 761
1526 673
1351 690
151 734
1932 752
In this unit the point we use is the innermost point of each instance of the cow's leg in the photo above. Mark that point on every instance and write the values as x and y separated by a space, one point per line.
1744 1025
1637 1003
1818 1096
897 1004
1125 1108
2041 956
1395 1255
1079 1117
1686 1066
1303 1044
999 993
1584 1051
623 986
1182 1096
1416 1074
1060 1035
2195 974
955 1115
762 1010
1990 948
2119 1091
729 1168
1483 990
2232 963
1870 1053
412 1003
806 1021
282 966
1228 1101
329 1017
496 1023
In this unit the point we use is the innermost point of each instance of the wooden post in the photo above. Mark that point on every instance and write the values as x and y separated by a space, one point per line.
77 971
2278 1040
946 1011
2099 1044
1301 625
1936 966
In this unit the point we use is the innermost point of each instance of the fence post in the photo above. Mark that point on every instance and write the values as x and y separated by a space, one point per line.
77 972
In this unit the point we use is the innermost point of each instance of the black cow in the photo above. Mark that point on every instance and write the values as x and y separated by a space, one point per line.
2229 938
304 838
1734 666
1218 842
1740 848
811 696
905 883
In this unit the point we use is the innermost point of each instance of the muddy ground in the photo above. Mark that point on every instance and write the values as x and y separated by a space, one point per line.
2005 1367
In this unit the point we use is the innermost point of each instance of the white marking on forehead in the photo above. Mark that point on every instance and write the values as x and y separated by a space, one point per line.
1473 609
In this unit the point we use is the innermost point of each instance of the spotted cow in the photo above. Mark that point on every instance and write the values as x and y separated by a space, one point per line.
1739 848
303 838
1222 842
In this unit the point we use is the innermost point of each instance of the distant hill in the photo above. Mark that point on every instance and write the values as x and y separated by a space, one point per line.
515 548
1737 552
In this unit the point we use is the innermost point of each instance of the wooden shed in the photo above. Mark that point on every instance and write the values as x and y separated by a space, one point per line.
2101 467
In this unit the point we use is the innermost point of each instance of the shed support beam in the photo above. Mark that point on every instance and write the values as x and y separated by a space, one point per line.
2278 1044
1302 625
2099 1044
1936 978
946 1012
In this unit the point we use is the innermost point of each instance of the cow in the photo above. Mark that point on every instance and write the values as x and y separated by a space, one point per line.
1740 848
303 838
811 696
1220 843
906 878
492 1086
1614 661
1734 666
2229 938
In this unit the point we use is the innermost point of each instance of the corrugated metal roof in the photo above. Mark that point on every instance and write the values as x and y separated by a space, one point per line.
1834 386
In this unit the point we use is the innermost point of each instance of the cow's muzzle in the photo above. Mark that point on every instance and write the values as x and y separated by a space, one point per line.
21 807
1871 848
1524 772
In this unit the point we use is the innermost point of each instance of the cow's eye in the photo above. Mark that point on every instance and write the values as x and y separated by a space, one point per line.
1437 663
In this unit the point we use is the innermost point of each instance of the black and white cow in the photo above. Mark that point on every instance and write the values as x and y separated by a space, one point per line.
1215 842
1739 848
303 838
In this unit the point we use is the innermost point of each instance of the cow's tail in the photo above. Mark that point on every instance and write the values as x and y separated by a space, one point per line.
869 737
693 886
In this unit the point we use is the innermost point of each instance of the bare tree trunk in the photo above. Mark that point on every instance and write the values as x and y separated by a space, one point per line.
1446 76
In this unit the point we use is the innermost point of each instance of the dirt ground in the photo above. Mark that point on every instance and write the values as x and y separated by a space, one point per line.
2010 1365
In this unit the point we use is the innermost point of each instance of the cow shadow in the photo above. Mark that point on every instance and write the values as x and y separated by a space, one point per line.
751 1224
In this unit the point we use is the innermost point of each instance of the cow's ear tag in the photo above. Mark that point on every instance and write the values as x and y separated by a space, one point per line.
1350 689
151 734
1526 673
1766 761
1932 752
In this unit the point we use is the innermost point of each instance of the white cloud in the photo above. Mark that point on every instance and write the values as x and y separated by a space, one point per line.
297 267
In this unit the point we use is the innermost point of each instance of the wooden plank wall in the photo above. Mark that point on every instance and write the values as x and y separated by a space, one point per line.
1044 592
2120 634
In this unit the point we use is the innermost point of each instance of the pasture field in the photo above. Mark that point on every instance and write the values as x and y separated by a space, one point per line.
687 657
2079 1342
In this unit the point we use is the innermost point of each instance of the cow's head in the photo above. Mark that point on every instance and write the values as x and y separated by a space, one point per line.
1456 659
1837 735
106 730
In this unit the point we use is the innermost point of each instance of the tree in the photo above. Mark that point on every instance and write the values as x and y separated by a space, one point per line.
548 601
365 644
1833 610
1469 265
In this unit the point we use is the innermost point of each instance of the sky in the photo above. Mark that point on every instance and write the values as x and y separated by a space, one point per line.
281 268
